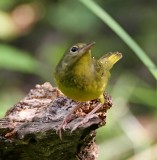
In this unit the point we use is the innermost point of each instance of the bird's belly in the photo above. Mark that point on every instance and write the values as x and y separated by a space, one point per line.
81 87
79 94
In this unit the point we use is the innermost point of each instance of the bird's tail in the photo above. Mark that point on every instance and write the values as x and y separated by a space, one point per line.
110 59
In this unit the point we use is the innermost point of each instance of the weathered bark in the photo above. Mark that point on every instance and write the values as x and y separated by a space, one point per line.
28 131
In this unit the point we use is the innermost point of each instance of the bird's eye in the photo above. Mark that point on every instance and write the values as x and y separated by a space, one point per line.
74 49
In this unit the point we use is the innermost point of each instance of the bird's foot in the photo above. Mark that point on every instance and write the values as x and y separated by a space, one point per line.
66 120
89 116
85 120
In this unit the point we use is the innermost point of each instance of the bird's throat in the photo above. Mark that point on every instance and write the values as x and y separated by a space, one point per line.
84 65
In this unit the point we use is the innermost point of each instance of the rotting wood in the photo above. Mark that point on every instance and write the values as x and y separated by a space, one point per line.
28 131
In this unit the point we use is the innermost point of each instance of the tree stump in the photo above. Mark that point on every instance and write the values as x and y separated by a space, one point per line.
28 131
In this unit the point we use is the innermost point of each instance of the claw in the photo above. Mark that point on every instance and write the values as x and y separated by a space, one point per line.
61 127
66 120
86 119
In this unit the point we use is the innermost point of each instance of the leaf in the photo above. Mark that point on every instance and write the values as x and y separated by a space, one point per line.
17 60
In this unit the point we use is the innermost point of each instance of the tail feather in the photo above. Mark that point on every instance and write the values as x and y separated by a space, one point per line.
110 59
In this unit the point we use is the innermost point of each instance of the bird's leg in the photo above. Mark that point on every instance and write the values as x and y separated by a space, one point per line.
87 117
66 121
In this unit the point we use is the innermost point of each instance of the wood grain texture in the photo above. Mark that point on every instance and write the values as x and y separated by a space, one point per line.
28 131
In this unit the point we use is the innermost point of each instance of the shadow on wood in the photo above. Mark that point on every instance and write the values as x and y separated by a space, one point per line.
28 131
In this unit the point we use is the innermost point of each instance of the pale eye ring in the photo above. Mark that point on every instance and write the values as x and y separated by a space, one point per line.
74 49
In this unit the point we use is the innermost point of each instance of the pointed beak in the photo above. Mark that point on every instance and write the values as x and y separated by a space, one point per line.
87 47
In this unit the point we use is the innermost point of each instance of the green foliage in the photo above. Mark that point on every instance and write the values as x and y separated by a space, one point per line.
30 50
5 4
73 18
14 59
144 96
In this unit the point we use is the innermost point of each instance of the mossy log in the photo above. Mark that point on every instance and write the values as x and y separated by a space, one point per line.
28 131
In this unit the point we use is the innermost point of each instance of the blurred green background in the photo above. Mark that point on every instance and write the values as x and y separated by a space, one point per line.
33 37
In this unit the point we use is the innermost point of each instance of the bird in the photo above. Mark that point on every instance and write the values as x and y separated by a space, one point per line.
81 77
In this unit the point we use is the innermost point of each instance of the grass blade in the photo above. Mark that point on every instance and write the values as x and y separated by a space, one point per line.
106 18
